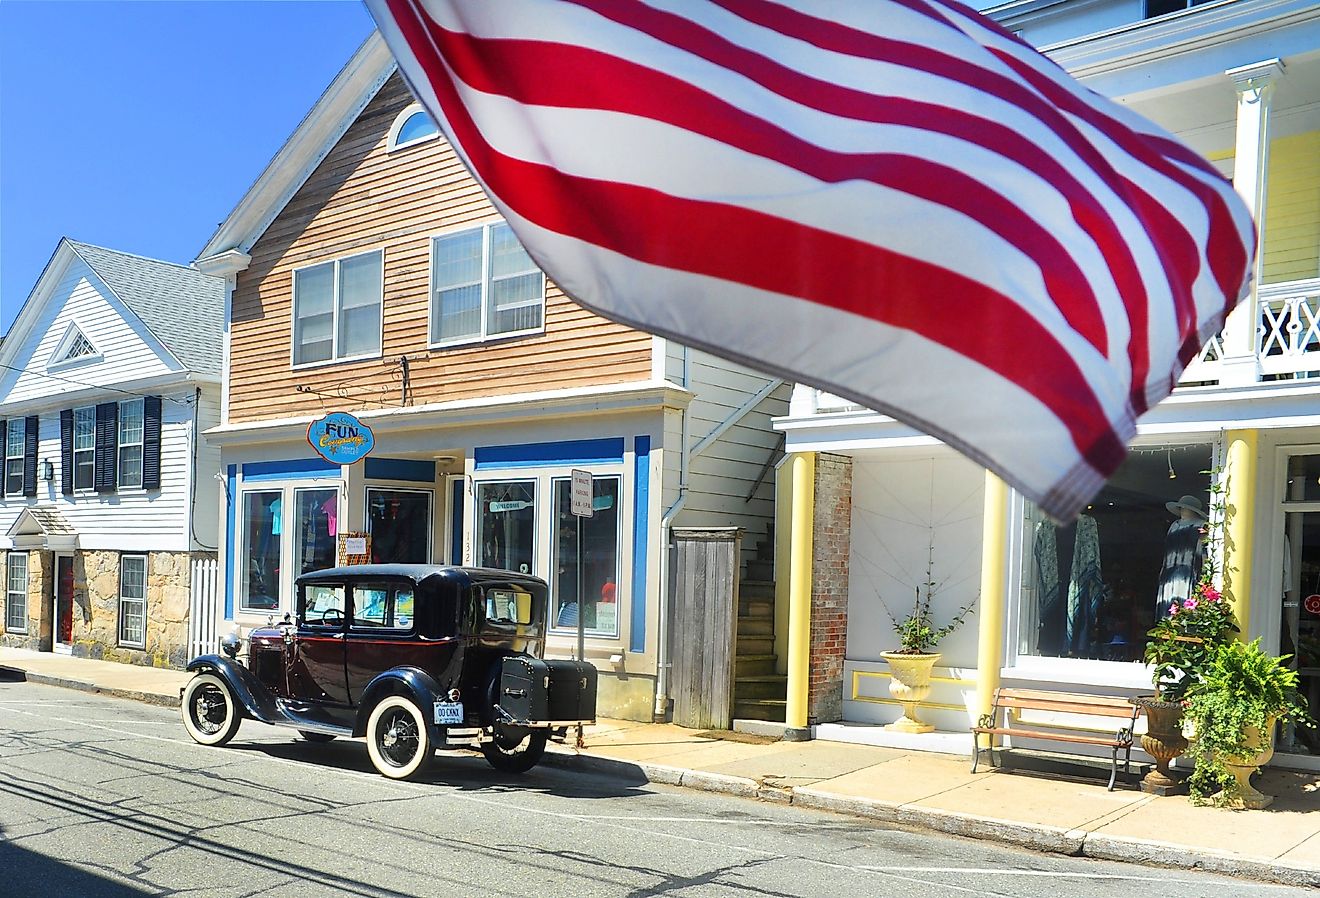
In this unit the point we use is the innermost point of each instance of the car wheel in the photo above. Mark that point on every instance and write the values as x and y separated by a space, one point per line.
517 758
398 739
210 712
311 736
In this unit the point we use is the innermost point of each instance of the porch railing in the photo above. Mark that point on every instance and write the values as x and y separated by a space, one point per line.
1287 335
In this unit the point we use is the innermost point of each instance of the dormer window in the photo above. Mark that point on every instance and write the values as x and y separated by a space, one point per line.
411 126
73 347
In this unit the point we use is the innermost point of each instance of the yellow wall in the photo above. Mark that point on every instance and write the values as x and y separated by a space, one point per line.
1292 210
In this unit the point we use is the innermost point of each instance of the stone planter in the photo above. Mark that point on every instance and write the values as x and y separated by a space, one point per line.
1260 749
1163 741
909 683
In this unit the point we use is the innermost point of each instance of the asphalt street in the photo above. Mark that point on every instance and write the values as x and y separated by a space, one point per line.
104 797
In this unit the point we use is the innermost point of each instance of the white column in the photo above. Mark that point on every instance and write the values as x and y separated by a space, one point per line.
1254 84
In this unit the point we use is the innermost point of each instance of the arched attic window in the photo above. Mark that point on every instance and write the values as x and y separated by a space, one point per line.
411 126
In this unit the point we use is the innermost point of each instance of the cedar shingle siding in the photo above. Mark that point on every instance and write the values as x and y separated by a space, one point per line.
362 198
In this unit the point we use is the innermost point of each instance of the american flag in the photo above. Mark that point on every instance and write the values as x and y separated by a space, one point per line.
896 201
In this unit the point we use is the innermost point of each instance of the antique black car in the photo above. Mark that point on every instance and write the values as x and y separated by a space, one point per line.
413 657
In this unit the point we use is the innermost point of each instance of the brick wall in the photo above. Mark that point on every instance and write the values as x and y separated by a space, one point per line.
831 540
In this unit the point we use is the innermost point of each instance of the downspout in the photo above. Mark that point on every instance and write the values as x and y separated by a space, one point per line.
661 711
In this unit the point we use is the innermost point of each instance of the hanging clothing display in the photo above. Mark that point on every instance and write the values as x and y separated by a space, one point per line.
1086 589
1184 552
1048 595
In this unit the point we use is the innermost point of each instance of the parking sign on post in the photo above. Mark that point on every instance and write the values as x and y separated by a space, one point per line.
581 502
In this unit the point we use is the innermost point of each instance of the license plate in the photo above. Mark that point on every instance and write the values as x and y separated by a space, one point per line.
448 712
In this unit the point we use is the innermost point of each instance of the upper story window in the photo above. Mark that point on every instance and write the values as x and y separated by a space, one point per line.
484 285
411 126
14 452
111 446
1163 7
336 310
84 448
130 443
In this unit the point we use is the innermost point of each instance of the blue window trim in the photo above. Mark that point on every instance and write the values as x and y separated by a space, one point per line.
641 510
456 522
539 455
289 469
231 486
406 469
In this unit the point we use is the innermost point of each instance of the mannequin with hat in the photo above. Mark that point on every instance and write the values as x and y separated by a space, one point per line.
1184 551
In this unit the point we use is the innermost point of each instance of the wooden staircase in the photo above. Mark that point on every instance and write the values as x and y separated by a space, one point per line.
758 692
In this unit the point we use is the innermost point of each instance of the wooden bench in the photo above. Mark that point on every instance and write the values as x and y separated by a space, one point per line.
1106 706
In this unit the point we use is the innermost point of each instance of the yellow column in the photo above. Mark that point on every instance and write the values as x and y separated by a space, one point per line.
990 611
1239 523
799 589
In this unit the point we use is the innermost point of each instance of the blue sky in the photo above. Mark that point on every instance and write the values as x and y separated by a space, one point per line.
139 125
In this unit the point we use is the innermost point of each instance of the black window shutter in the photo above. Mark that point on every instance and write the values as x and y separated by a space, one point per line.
30 428
66 452
151 443
107 446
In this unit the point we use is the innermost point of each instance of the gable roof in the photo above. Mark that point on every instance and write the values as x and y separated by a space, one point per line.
183 308
316 135
180 308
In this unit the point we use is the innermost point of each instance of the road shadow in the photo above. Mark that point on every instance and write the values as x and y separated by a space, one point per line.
462 770
29 873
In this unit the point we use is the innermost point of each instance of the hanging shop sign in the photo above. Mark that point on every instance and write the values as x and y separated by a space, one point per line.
340 438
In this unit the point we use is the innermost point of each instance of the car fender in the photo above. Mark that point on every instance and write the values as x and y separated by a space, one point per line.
256 699
420 686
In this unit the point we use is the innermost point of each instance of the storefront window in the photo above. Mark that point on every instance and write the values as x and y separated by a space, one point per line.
1299 634
400 525
506 525
315 523
260 573
1093 588
586 559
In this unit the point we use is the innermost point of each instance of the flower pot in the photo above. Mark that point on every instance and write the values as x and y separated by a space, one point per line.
909 683
1260 748
1163 741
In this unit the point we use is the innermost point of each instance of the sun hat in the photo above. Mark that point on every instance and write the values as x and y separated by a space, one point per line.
1191 503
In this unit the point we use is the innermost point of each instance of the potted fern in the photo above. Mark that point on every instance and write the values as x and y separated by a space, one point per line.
1243 693
911 664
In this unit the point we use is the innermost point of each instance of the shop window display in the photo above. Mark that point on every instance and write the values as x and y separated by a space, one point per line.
316 522
506 525
1093 589
593 585
1299 635
262 524
400 525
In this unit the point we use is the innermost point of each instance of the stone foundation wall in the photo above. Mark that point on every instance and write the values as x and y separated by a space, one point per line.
95 631
831 547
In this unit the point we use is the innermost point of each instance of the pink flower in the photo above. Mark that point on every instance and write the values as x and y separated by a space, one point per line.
1210 594
1190 604
1174 608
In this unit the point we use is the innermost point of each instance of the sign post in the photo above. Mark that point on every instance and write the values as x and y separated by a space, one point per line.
581 506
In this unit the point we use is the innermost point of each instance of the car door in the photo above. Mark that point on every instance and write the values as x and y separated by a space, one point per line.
316 668
380 627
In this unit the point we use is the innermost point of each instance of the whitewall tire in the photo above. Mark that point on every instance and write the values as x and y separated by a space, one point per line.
210 711
398 739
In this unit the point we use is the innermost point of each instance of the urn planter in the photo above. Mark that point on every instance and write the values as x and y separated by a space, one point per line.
1163 741
909 683
1260 748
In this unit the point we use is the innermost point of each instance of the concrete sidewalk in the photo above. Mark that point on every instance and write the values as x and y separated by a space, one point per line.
911 788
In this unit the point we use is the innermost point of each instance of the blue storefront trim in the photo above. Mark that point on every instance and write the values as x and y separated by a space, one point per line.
231 484
456 523
409 469
537 455
641 510
289 469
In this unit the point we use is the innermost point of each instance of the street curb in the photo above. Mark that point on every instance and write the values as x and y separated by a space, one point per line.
148 698
1141 851
1028 835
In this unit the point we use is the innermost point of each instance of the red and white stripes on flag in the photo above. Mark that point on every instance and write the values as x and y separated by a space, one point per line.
901 204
